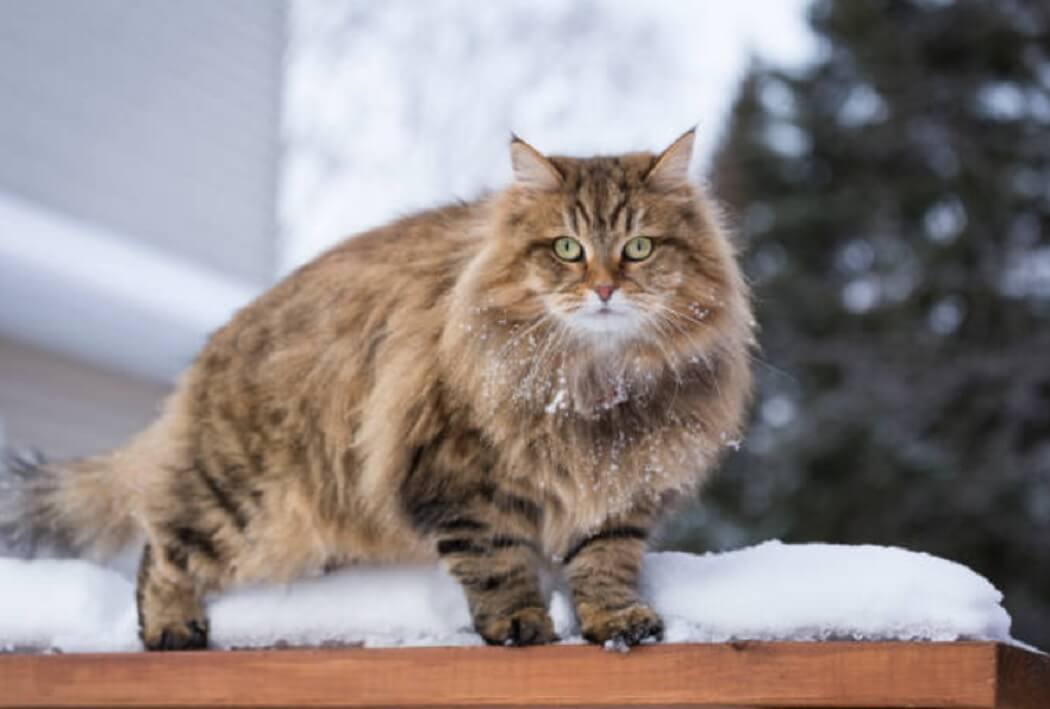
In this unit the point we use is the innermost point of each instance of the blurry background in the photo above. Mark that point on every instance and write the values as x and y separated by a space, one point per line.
885 162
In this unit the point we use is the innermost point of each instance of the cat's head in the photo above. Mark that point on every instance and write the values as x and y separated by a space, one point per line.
612 250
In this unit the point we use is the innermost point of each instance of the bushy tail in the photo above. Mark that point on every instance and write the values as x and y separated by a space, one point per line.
69 508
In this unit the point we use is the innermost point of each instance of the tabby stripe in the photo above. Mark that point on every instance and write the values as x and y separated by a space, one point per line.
520 605
145 566
614 215
600 578
494 581
417 456
511 503
624 532
506 542
177 552
223 498
460 545
623 605
196 539
583 211
426 514
457 524
424 509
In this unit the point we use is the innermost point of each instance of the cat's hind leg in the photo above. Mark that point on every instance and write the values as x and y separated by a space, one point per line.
195 530
169 600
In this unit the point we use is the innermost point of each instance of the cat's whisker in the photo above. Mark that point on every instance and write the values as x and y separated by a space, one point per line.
516 338
670 360
539 362
678 314
554 339
773 368
676 325
656 315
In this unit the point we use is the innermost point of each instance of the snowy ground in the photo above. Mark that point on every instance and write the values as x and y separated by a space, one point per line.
772 591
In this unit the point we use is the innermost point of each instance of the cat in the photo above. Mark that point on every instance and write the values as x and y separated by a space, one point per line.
533 378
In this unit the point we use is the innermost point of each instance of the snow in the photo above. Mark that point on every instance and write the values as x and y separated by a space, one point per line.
777 591
558 402
772 591
70 605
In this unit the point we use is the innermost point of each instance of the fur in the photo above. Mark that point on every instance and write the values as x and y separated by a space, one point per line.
442 387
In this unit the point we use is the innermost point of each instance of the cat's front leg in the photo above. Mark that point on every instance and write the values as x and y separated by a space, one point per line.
487 537
602 569
498 572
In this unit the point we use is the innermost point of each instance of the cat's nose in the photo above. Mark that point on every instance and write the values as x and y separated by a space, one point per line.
604 292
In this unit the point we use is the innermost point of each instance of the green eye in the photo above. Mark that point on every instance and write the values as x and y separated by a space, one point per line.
638 249
568 249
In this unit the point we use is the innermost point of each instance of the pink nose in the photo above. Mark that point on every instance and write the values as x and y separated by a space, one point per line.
604 292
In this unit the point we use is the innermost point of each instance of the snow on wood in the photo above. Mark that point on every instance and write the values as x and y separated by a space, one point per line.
772 591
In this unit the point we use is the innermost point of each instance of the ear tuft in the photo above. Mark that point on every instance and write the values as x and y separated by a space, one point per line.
671 168
531 169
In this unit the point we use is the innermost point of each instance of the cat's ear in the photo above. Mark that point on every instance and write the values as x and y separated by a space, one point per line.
671 168
531 168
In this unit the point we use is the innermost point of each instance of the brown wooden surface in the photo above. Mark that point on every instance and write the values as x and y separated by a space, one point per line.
1023 675
834 674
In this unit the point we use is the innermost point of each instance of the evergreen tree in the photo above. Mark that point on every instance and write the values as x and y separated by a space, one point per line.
893 201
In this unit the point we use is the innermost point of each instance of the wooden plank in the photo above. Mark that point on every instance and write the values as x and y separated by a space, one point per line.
1024 677
834 674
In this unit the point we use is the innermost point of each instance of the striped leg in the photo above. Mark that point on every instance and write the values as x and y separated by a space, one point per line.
498 572
194 534
486 536
602 570
170 610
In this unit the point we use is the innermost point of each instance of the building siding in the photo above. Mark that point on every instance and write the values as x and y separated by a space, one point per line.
64 407
157 119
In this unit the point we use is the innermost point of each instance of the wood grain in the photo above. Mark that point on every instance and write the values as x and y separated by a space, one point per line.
1023 676
834 674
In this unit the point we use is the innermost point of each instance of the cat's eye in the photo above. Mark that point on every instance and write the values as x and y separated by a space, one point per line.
638 249
568 249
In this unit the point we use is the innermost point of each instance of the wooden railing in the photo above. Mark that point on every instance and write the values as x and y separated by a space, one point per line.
752 674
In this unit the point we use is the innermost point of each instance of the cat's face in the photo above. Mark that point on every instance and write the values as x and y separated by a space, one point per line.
613 249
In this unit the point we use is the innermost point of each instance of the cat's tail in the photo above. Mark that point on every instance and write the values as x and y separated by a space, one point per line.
75 508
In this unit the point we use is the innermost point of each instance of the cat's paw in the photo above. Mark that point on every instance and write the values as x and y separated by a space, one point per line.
190 635
622 626
528 626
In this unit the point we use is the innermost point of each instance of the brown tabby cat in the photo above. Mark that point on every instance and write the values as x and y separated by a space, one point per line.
530 377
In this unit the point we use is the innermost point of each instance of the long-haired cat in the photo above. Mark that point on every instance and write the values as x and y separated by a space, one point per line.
533 377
